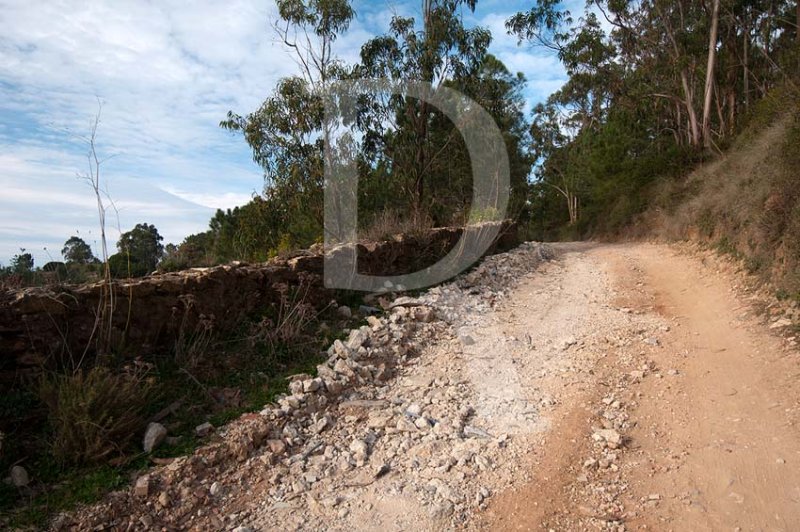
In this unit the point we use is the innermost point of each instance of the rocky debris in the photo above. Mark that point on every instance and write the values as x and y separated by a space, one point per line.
373 416
153 436
19 477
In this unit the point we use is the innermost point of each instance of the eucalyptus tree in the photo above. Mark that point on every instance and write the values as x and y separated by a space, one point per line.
438 49
287 133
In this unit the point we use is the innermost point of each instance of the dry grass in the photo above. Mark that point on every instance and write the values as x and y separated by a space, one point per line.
290 322
94 414
193 342
746 202
388 224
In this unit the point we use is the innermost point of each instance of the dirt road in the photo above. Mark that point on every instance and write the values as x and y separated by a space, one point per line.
617 387
712 441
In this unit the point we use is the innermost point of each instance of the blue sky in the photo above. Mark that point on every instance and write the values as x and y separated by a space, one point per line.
167 72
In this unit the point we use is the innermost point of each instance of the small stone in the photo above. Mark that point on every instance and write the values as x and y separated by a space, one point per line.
424 314
19 477
345 312
366 310
312 385
781 323
146 521
163 499
204 430
382 470
142 487
476 432
466 339
296 387
414 410
320 425
243 529
359 448
153 436
331 502
215 489
610 436
405 301
654 497
483 462
652 341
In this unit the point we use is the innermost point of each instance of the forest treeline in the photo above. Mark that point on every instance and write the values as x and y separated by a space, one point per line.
653 87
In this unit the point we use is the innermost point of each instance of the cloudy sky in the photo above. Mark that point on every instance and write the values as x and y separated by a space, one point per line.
166 73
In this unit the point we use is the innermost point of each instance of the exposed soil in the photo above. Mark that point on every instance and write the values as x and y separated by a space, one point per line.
617 387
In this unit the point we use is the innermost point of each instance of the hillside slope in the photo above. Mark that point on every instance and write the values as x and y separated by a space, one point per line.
745 202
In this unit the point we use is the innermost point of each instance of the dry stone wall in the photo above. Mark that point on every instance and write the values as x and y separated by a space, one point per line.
41 326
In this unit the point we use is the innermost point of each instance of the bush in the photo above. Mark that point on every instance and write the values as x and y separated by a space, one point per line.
94 414
123 267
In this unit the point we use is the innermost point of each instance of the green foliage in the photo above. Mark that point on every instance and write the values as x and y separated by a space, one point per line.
622 122
22 263
124 266
143 245
77 251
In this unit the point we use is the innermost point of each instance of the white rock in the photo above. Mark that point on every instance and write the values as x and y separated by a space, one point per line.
142 486
359 448
153 436
781 323
609 436
312 385
422 423
204 430
414 410
19 477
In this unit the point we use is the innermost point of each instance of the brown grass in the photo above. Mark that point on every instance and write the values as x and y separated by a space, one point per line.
388 224
745 202
94 414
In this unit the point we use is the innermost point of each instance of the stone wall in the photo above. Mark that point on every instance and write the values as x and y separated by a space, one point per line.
40 326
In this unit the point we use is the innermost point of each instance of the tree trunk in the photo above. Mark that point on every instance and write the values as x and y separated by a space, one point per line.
746 61
694 127
712 58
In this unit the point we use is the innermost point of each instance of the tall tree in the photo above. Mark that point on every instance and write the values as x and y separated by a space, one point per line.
22 262
288 132
143 245
77 251
438 50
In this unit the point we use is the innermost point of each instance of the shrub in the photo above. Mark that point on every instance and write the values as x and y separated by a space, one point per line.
94 414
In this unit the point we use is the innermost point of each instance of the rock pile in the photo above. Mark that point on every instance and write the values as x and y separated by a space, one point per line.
372 414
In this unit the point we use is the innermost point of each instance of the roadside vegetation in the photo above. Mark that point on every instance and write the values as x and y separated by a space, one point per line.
78 432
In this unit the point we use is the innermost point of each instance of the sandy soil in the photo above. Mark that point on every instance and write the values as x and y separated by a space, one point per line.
714 442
